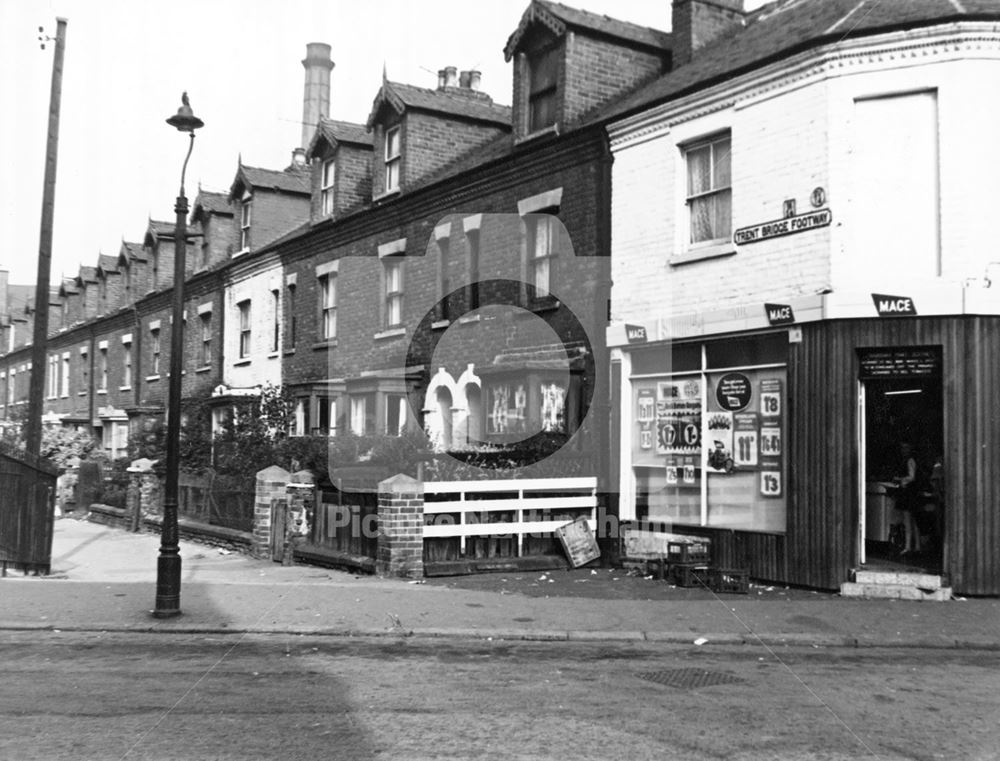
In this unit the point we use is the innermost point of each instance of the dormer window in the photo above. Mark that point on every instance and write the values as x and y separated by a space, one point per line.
328 174
245 222
543 76
392 159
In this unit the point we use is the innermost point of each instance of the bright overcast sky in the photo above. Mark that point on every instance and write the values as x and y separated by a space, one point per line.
127 62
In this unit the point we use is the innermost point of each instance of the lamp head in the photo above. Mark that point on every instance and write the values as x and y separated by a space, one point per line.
185 120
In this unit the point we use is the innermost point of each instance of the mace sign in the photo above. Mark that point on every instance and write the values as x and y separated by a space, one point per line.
890 306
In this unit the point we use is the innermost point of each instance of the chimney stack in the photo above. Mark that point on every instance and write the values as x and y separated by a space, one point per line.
696 23
316 96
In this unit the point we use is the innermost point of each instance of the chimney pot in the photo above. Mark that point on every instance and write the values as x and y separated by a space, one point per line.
442 78
450 76
299 157
475 78
463 80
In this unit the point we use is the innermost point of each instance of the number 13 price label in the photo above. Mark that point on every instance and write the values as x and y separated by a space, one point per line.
770 483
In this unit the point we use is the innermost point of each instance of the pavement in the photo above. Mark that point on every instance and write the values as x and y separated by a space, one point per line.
103 579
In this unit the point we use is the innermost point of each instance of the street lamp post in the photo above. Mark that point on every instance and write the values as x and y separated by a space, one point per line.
168 565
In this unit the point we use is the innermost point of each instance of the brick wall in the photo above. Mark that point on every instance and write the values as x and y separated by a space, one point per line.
432 141
274 214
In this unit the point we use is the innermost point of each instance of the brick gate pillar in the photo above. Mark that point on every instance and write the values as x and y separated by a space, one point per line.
272 483
400 527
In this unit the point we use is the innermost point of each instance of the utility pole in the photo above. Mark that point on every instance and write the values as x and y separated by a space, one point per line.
36 391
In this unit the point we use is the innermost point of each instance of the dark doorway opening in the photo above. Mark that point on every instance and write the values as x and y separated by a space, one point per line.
904 414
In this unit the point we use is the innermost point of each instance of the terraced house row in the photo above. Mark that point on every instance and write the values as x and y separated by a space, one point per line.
740 261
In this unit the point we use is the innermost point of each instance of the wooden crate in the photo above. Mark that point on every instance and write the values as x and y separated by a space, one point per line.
690 574
688 552
734 581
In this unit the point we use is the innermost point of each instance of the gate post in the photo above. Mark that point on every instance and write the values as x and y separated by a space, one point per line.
400 527
271 483
301 491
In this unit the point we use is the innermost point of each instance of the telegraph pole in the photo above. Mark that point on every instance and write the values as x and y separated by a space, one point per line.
36 391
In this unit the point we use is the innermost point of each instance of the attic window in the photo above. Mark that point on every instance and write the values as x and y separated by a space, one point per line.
326 187
543 76
392 159
245 209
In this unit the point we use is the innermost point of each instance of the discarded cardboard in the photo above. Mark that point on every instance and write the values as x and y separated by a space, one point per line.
578 541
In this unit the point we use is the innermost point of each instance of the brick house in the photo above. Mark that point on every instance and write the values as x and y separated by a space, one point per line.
796 165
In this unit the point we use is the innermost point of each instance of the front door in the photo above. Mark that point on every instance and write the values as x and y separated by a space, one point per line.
901 416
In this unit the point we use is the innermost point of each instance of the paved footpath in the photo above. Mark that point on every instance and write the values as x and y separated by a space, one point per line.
103 579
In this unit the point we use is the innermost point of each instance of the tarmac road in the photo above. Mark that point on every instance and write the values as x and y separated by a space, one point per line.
155 697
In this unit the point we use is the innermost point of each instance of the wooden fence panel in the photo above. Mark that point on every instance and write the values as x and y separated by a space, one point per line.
27 510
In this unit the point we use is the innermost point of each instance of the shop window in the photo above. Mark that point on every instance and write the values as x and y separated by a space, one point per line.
708 447
709 191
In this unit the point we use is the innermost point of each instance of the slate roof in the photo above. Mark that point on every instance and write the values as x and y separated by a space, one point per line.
68 287
333 132
786 27
559 18
214 203
160 228
135 252
87 274
466 105
107 263
20 298
295 181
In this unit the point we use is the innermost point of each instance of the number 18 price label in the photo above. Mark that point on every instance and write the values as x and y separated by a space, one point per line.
770 403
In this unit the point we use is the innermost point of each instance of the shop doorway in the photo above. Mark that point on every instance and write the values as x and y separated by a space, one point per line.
901 415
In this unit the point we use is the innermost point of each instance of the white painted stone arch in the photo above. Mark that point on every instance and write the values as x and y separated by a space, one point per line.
439 404
468 409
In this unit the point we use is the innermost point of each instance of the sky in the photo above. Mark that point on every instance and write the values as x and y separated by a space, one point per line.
127 62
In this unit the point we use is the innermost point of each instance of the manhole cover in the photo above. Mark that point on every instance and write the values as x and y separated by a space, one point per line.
690 678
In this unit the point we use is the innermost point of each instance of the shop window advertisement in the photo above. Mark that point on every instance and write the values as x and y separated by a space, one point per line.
726 427
743 451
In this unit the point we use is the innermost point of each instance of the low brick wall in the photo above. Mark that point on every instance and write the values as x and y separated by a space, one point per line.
192 531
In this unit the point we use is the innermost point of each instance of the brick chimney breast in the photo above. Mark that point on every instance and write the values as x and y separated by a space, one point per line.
697 23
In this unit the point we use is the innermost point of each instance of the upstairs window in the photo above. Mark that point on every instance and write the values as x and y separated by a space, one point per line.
292 317
392 159
541 248
328 305
206 339
245 210
127 365
275 319
543 76
327 176
65 374
103 370
154 335
393 268
709 191
244 316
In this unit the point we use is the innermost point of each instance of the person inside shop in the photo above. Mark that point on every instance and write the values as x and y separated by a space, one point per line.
907 497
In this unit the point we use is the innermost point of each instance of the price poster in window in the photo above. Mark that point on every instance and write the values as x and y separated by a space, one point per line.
770 398
770 439
646 404
678 417
745 440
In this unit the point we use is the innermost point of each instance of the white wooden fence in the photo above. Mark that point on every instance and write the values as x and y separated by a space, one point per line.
470 508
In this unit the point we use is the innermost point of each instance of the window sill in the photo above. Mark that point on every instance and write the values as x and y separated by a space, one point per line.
538 306
440 324
102 391
84 393
703 252
124 388
469 320
203 369
288 352
390 333
384 195
330 343
242 362
550 130
273 355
